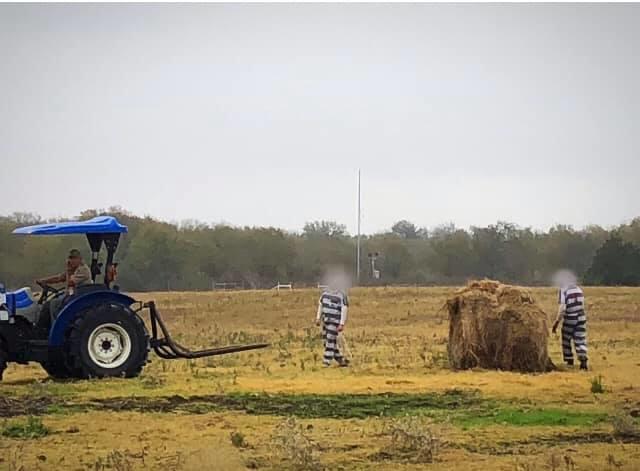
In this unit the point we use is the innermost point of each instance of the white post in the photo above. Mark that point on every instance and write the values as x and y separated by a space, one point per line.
358 238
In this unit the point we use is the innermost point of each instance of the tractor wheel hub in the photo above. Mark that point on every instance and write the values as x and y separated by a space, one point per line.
109 345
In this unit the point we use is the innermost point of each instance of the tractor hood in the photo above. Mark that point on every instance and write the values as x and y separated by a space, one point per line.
97 225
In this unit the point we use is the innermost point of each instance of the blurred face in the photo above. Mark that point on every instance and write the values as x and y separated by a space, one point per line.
74 262
563 278
336 278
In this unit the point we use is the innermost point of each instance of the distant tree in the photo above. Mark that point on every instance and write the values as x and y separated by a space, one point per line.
191 255
488 247
154 260
395 261
192 225
519 256
405 229
565 247
452 256
631 232
616 263
25 219
324 229
272 255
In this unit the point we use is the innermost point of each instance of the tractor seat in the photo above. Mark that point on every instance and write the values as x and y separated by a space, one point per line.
25 304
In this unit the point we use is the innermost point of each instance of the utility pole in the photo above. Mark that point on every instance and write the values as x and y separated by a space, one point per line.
358 239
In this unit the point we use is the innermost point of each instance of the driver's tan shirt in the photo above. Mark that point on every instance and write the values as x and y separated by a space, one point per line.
81 275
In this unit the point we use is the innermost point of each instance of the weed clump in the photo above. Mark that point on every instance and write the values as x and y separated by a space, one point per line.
152 382
412 438
116 459
612 463
624 426
296 447
29 429
238 440
597 386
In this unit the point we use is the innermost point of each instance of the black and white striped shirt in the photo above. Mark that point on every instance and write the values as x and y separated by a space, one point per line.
332 306
573 300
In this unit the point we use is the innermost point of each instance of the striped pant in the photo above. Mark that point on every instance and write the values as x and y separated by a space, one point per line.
574 328
330 334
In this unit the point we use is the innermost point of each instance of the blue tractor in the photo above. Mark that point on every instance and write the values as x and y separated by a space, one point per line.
98 331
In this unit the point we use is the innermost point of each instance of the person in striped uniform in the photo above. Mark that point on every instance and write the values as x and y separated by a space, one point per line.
332 312
571 312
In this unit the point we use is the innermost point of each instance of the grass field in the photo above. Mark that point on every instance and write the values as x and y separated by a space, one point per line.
397 407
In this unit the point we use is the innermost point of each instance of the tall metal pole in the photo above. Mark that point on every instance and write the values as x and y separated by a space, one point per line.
358 239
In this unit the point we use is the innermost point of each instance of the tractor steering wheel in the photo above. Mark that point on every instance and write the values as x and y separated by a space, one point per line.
46 291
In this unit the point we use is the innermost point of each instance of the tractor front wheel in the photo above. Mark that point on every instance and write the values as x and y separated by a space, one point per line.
108 340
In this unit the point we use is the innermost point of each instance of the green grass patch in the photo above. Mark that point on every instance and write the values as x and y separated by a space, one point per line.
310 406
351 406
30 428
62 409
465 408
53 389
529 418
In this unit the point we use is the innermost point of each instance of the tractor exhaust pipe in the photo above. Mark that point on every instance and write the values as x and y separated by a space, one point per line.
167 348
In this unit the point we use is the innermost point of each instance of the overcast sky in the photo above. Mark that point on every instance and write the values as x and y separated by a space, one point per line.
262 114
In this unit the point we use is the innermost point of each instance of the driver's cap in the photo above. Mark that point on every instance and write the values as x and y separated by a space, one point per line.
74 253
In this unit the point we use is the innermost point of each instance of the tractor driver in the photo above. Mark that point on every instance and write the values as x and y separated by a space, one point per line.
76 274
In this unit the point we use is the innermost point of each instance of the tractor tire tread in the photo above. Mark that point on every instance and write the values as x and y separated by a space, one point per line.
57 370
76 359
4 358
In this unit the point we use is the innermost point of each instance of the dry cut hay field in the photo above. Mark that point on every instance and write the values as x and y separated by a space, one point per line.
397 407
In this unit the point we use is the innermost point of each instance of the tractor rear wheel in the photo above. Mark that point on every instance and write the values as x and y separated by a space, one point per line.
57 369
108 340
4 357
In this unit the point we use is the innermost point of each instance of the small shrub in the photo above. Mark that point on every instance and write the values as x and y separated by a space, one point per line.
612 463
29 429
295 446
238 440
115 460
597 387
519 465
254 463
414 438
555 462
152 382
624 426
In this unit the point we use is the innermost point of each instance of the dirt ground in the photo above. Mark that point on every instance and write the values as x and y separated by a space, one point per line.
397 407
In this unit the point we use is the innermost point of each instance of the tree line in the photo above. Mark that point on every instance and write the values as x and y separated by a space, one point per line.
191 255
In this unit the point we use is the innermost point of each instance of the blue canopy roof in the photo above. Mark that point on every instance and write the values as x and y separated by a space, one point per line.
97 225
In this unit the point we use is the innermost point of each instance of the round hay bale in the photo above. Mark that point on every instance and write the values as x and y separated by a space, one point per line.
497 326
